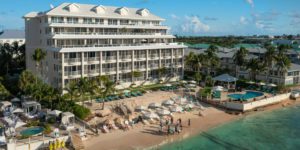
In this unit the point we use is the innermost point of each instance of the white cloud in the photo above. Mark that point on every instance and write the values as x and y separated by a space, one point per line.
250 2
173 16
243 20
192 24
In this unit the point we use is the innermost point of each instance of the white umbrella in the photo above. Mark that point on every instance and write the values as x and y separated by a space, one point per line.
163 112
55 112
18 110
168 102
183 81
19 124
140 108
168 85
261 83
193 82
15 99
154 105
181 101
218 88
250 82
191 85
272 85
176 109
189 106
126 91
151 115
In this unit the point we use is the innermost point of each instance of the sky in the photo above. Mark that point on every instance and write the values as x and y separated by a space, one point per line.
187 17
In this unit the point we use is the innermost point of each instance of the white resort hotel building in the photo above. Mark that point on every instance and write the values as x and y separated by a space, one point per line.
91 40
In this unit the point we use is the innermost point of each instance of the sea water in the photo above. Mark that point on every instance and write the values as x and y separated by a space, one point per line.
275 130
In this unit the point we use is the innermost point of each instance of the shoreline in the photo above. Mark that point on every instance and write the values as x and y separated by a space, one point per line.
146 137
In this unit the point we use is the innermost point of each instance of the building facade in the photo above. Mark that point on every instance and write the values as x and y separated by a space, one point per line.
88 41
11 36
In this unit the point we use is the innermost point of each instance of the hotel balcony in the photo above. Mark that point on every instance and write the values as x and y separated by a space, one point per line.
92 59
102 25
140 57
110 59
125 57
109 70
153 66
72 61
141 68
154 56
126 80
125 69
72 73
92 72
167 55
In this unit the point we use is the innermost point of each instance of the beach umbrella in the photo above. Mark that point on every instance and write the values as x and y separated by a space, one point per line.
163 112
154 105
168 102
15 99
272 85
261 83
192 82
18 110
189 106
140 108
55 112
218 88
19 123
176 109
191 85
151 115
184 82
250 82
168 85
126 91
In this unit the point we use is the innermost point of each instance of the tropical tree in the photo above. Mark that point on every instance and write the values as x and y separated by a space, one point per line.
72 89
197 77
4 93
195 61
26 80
269 59
239 58
83 87
38 56
283 63
162 72
6 59
209 81
255 66
211 57
136 74
107 87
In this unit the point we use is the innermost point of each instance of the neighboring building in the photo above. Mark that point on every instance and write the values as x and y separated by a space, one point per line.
11 36
292 76
88 40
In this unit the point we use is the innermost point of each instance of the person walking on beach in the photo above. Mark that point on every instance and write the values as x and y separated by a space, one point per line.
172 120
189 122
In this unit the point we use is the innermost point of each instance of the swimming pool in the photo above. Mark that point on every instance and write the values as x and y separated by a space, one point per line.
246 96
32 131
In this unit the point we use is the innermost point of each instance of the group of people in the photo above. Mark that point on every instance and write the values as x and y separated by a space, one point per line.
169 127
57 145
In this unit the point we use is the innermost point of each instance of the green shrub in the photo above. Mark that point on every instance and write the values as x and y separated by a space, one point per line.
80 111
51 120
47 128
33 123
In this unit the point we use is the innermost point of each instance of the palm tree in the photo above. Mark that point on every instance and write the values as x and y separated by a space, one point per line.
196 62
38 56
136 74
6 58
72 89
255 66
107 87
269 59
162 72
212 58
26 79
283 63
239 58
83 87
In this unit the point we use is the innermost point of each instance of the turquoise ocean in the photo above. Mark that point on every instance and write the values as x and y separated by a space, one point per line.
273 130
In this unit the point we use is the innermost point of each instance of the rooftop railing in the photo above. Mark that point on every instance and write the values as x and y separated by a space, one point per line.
110 24
116 45
104 33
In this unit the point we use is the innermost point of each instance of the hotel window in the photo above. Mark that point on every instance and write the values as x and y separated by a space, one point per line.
99 21
72 20
88 20
145 22
112 22
124 22
57 19
156 23
134 22
46 19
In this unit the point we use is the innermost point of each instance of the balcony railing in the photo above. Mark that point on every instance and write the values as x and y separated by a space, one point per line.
91 71
108 69
110 24
116 45
72 73
72 60
104 33
140 67
153 66
140 56
125 57
92 58
125 68
110 58
154 56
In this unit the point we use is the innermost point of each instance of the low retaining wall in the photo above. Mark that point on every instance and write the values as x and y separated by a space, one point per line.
256 104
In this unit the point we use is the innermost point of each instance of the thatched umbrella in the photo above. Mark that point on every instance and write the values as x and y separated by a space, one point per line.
151 115
176 109
168 102
163 112
140 108
108 121
154 105
119 120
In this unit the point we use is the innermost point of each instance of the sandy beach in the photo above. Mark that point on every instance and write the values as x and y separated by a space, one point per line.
147 136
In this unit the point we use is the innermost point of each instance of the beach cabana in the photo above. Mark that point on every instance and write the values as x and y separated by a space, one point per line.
55 113
226 78
31 108
6 106
68 120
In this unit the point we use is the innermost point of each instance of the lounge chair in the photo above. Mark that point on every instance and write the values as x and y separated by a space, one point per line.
128 95
134 94
139 93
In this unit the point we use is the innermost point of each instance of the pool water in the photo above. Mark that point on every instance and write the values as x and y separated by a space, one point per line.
246 96
32 131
